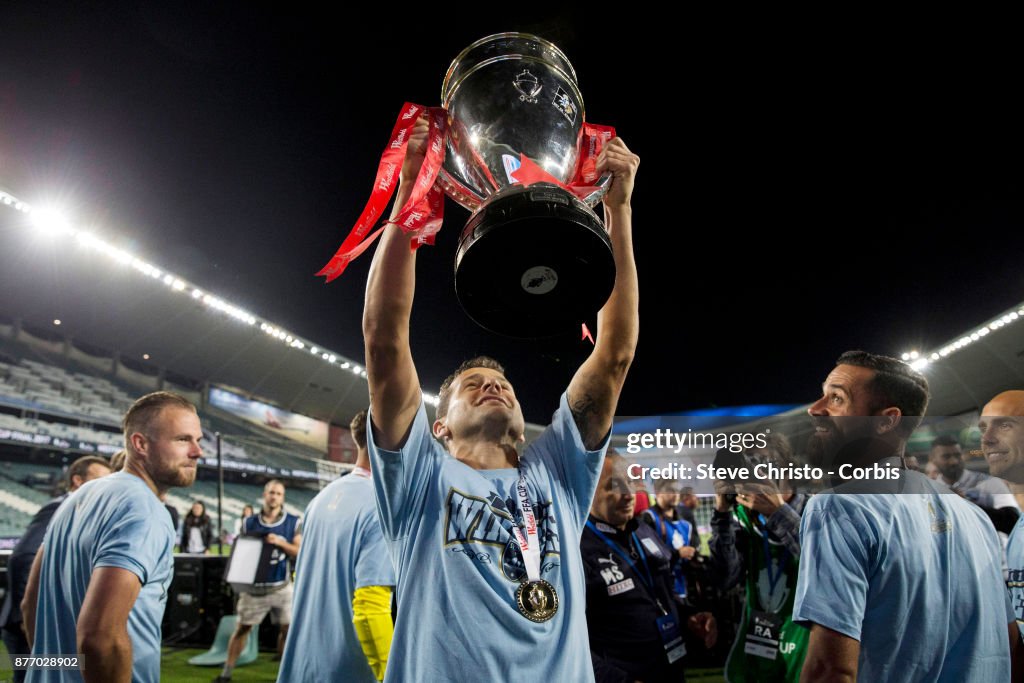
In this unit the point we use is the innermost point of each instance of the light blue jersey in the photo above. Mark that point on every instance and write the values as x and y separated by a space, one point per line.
915 577
116 521
1015 573
342 549
448 527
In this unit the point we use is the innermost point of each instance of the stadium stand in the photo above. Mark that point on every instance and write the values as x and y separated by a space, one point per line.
54 403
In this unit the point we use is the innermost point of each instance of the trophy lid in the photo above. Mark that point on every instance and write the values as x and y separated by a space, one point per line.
504 46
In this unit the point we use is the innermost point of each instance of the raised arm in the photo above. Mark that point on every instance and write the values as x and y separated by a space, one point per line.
394 386
594 390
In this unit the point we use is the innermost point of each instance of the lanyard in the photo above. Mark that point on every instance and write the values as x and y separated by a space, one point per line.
528 544
646 576
773 578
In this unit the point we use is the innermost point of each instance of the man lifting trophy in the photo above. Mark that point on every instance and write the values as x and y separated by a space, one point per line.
511 144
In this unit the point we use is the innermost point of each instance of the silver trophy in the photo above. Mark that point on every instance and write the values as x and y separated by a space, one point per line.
533 260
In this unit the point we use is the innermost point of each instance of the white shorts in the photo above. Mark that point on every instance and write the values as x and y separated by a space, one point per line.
253 608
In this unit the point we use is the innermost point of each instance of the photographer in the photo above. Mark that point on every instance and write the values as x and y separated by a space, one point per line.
756 539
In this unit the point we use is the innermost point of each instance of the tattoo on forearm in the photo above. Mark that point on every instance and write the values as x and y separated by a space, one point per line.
584 412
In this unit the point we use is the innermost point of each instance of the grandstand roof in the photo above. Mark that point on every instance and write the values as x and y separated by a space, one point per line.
120 311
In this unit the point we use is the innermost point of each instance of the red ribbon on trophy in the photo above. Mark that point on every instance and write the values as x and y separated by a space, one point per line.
423 213
593 141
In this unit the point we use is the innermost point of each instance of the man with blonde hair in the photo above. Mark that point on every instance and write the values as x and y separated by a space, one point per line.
98 586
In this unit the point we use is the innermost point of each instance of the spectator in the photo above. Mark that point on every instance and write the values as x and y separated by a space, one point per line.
197 530
676 533
240 522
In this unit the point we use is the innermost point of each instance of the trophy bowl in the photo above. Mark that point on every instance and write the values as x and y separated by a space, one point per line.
534 260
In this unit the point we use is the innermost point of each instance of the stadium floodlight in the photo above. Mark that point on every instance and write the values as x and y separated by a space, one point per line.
50 222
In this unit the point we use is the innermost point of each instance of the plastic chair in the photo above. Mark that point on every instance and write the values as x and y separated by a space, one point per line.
218 652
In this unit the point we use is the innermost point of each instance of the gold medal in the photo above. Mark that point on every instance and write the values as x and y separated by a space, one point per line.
537 600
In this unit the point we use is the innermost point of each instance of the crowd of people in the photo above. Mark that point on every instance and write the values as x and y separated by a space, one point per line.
453 552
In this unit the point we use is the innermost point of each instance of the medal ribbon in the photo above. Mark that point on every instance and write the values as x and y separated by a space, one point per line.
529 544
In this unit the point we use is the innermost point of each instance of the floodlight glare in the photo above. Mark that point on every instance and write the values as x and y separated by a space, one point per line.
50 222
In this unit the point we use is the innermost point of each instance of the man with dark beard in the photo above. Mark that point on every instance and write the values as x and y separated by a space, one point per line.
878 556
98 586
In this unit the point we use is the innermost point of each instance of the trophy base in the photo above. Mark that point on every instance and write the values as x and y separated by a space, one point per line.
533 262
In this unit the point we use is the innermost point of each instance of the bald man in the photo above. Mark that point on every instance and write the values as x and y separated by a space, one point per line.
1002 440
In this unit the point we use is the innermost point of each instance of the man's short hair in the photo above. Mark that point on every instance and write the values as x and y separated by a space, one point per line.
666 486
117 460
81 466
945 440
358 428
140 416
446 387
272 482
895 384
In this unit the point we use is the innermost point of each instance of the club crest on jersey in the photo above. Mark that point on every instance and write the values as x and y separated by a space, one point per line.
471 520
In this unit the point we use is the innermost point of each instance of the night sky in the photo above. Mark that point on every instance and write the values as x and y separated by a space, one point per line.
798 194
